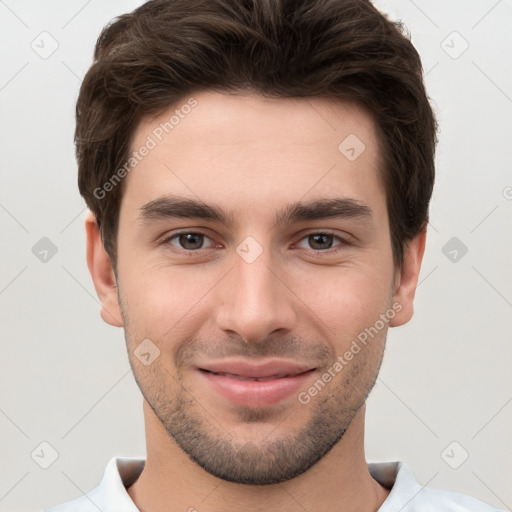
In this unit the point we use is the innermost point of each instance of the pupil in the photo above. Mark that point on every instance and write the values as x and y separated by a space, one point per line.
191 238
321 239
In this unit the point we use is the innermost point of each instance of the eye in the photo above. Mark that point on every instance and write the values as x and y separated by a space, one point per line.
320 241
188 240
191 241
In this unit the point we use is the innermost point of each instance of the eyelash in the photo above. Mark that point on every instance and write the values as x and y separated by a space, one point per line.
192 252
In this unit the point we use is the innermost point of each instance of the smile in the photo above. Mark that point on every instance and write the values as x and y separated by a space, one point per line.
248 385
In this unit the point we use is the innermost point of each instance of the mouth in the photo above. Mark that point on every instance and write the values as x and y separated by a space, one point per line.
258 379
249 385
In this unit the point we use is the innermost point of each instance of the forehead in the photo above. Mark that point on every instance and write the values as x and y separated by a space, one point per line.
248 151
252 119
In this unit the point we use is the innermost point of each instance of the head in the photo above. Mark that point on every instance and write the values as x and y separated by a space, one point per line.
259 175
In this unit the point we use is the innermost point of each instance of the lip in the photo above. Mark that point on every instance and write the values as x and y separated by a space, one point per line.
236 380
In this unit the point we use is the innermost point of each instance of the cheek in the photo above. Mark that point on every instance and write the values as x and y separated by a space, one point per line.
346 300
163 301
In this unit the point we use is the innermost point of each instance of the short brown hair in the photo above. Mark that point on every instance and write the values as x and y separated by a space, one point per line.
148 60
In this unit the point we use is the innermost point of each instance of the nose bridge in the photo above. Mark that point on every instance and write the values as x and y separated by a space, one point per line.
254 302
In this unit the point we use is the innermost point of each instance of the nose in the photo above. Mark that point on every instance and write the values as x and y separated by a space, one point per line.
255 301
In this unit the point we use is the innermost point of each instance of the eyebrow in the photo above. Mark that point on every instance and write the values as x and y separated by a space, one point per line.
175 207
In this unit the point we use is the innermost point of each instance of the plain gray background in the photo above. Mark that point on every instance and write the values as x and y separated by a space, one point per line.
444 392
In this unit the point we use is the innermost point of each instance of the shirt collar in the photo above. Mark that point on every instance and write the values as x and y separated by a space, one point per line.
121 472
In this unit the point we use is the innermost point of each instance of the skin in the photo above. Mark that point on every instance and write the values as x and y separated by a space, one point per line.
252 156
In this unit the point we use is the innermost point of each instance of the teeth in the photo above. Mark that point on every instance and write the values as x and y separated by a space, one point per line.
240 377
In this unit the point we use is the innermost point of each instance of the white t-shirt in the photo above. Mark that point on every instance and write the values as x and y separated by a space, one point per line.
406 495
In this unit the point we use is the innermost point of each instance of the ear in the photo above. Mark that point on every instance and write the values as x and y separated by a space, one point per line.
406 279
102 273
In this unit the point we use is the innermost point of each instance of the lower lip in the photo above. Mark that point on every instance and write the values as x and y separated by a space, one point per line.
253 393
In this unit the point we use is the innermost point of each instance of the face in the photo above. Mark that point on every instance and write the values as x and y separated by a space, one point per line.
255 278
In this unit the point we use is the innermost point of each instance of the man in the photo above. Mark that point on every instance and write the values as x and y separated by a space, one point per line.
258 175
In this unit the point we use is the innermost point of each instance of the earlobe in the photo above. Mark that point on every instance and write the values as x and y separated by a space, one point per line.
102 273
407 279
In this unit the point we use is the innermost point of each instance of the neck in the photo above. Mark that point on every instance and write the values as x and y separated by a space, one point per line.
173 481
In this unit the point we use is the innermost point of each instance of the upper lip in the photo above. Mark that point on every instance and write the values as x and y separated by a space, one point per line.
265 369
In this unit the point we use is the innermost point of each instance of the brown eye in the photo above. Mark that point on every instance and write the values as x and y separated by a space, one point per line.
321 241
188 241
